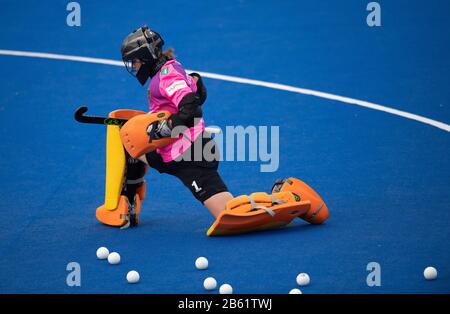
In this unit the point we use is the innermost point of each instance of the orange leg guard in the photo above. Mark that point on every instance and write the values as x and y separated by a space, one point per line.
318 212
257 212
122 215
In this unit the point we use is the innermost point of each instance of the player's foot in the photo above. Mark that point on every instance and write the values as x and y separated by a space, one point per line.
125 215
318 212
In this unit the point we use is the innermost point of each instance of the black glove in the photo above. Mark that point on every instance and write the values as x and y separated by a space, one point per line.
201 89
159 129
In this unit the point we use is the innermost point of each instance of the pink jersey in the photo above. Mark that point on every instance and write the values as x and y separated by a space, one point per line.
165 91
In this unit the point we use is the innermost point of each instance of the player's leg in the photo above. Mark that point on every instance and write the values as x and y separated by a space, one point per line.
124 172
258 211
206 186
200 175
124 184
217 203
290 198
143 159
134 187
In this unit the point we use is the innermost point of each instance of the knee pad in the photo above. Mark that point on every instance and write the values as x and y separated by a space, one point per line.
318 212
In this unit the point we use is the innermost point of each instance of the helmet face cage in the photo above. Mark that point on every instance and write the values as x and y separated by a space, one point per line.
130 68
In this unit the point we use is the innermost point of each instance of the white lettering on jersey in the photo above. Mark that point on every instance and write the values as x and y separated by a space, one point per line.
177 85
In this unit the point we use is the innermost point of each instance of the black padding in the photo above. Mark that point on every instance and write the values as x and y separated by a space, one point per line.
201 89
135 170
188 110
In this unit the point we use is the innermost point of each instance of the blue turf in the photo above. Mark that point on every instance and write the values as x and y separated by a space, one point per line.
385 178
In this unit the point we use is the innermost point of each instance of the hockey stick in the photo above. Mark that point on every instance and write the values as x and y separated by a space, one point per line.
82 118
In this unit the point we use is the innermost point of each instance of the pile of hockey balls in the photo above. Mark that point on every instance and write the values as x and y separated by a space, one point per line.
114 259
210 283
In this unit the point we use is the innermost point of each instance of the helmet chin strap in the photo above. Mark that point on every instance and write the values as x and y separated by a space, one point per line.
148 70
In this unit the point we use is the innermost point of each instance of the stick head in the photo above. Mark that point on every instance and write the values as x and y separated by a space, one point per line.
80 112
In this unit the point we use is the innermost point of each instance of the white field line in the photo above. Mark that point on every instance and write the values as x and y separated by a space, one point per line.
240 80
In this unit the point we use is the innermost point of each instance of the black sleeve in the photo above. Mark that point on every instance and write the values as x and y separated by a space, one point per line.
201 89
189 109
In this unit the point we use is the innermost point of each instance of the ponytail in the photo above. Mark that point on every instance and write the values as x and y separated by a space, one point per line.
169 53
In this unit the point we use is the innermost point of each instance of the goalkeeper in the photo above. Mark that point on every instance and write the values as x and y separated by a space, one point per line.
167 138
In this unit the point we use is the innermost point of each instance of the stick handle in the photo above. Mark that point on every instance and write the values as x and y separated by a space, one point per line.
213 130
81 117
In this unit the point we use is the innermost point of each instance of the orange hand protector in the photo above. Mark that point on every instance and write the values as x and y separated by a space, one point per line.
134 134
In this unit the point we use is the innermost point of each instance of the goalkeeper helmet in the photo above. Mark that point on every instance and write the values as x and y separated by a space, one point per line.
143 45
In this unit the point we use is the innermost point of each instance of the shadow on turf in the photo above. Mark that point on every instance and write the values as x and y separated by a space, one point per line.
294 227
